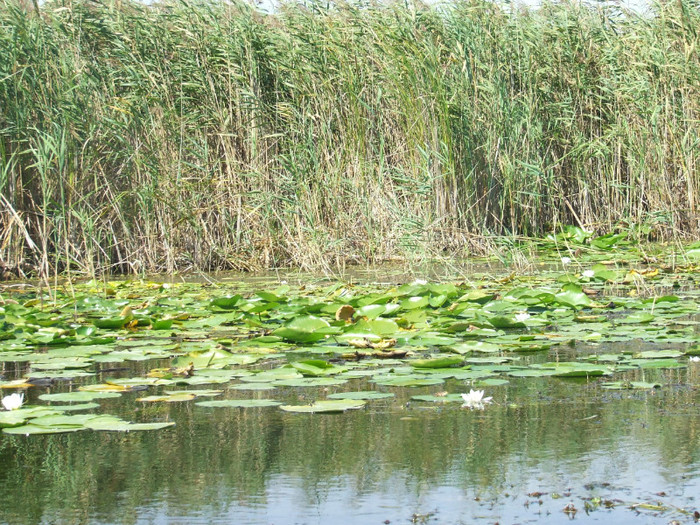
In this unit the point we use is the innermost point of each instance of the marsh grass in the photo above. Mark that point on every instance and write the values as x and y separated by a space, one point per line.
196 135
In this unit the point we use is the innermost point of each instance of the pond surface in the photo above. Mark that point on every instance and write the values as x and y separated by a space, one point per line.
595 416
617 457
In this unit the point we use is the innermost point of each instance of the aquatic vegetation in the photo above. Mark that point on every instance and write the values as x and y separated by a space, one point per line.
475 399
13 401
198 144
332 347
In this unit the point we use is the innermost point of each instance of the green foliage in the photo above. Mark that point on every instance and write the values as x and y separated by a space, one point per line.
202 134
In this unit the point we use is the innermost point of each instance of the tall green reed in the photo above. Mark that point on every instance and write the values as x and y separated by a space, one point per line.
201 135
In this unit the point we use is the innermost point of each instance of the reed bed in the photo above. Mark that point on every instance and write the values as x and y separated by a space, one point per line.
209 135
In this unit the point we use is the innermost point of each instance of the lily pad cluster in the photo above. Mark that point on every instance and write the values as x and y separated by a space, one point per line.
569 320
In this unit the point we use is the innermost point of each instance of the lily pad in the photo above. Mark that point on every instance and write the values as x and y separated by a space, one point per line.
35 429
115 424
630 385
239 403
439 362
78 396
448 398
307 329
326 406
366 395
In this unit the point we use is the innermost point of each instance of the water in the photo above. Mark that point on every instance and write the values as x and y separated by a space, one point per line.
544 445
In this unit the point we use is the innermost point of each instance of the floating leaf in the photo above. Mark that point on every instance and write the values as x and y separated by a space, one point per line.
630 385
19 416
304 329
327 406
366 395
76 407
174 398
316 367
35 429
254 386
474 346
572 295
657 354
311 381
112 323
504 321
409 381
381 327
449 398
79 396
226 303
115 424
637 318
239 403
439 362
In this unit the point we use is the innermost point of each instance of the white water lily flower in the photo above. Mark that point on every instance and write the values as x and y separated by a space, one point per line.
420 281
524 316
13 401
565 260
475 399
588 273
694 359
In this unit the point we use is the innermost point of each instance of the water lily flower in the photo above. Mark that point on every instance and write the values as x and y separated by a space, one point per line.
475 399
13 401
694 359
588 273
523 316
420 282
565 260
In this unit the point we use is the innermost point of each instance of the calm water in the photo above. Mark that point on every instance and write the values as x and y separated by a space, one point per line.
543 445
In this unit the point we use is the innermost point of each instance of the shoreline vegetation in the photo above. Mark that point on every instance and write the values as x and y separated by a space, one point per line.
198 135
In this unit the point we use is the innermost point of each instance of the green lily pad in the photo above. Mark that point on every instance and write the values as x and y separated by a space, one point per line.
112 323
439 362
115 424
226 303
254 386
311 381
78 396
475 346
307 329
630 385
76 407
413 303
174 398
637 318
326 406
504 321
572 295
409 381
658 354
239 403
35 429
449 398
366 395
19 416
316 368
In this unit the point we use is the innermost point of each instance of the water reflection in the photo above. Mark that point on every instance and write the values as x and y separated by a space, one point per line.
397 460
